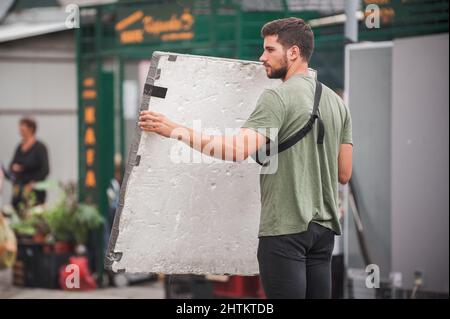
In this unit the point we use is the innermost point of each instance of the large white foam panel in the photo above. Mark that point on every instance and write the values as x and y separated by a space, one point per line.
201 218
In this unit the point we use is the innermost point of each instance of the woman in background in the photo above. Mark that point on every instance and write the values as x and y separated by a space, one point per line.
29 165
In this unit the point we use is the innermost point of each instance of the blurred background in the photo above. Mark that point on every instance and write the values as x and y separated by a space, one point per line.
71 77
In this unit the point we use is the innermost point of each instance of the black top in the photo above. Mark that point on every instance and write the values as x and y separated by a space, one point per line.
34 162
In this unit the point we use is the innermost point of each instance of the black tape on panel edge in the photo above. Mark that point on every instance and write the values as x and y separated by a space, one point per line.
155 91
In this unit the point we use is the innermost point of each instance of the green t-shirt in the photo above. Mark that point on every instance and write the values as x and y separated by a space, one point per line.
304 188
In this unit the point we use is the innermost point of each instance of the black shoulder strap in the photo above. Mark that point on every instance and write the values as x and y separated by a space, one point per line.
309 125
305 130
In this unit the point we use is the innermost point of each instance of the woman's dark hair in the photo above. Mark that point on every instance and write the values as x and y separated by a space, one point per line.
30 123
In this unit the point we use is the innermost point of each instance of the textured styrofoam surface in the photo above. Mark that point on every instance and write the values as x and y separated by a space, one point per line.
180 218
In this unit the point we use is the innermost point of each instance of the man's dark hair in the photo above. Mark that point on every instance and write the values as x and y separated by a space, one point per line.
292 31
30 123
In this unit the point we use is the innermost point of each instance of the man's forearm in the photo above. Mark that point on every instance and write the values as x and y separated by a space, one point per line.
227 148
234 148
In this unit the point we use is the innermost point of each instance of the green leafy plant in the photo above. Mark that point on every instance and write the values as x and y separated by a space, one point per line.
71 221
24 227
86 218
59 221
65 221
30 223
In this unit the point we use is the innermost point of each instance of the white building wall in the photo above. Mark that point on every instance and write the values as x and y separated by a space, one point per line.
38 79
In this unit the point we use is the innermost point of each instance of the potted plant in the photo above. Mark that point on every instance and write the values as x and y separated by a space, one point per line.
70 222
30 225
52 232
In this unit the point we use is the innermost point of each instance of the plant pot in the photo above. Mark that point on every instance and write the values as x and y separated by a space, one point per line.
62 247
37 265
24 239
39 238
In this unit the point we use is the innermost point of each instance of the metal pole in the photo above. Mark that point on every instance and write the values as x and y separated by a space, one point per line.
351 36
286 8
351 25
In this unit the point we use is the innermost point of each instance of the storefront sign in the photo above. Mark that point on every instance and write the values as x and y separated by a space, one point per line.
89 96
155 24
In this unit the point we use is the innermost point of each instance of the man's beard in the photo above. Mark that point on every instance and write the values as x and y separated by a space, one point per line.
279 73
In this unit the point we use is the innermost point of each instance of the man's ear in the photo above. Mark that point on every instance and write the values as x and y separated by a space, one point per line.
294 53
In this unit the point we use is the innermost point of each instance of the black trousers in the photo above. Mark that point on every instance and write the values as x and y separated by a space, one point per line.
297 266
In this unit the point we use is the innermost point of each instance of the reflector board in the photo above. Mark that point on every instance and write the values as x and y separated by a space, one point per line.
182 212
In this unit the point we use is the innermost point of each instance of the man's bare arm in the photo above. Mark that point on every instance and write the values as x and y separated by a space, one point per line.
345 162
234 148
